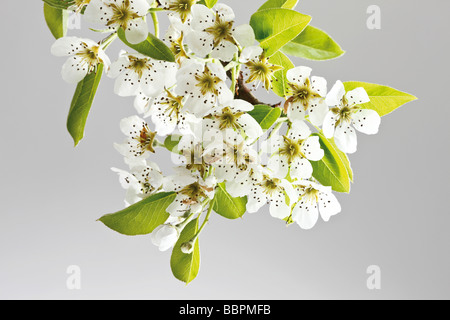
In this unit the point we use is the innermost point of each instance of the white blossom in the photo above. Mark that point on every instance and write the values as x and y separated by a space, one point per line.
191 191
84 57
231 157
143 180
314 198
291 154
306 95
204 84
138 74
278 193
165 236
126 14
259 69
140 138
213 32
180 9
233 115
346 115
168 113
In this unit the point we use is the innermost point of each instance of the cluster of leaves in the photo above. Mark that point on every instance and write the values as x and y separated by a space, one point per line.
282 32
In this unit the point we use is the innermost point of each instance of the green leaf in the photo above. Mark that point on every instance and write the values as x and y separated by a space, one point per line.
208 3
383 99
60 4
285 4
152 47
274 28
56 20
331 170
185 267
227 206
344 158
82 103
313 44
141 218
266 116
171 143
279 85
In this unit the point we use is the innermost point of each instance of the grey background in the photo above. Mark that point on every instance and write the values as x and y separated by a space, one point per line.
396 216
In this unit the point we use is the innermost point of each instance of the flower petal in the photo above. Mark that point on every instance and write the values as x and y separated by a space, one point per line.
345 138
366 121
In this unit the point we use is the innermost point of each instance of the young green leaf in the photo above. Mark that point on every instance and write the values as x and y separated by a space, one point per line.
185 267
227 206
313 44
266 116
56 20
279 85
208 3
141 218
383 99
152 47
60 4
344 158
285 4
171 143
331 170
82 103
274 28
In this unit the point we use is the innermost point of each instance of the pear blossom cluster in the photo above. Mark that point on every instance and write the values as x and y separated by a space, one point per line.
193 102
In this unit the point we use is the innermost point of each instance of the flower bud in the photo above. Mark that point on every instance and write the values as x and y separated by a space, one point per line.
187 247
165 237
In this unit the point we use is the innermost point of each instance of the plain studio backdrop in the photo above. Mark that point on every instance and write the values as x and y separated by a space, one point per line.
396 216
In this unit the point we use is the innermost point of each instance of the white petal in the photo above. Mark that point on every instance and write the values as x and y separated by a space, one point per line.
299 131
319 85
328 206
329 125
201 43
97 12
256 199
178 207
137 31
67 46
278 207
244 35
296 111
250 54
74 70
336 94
217 71
317 112
225 51
345 138
141 7
312 150
238 105
301 168
250 126
132 126
298 75
279 166
366 121
305 214
202 17
118 66
127 84
225 12
357 96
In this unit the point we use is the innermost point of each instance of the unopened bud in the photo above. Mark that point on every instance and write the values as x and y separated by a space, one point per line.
187 247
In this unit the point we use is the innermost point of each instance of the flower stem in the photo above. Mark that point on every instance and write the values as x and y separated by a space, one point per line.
205 222
155 23
105 43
